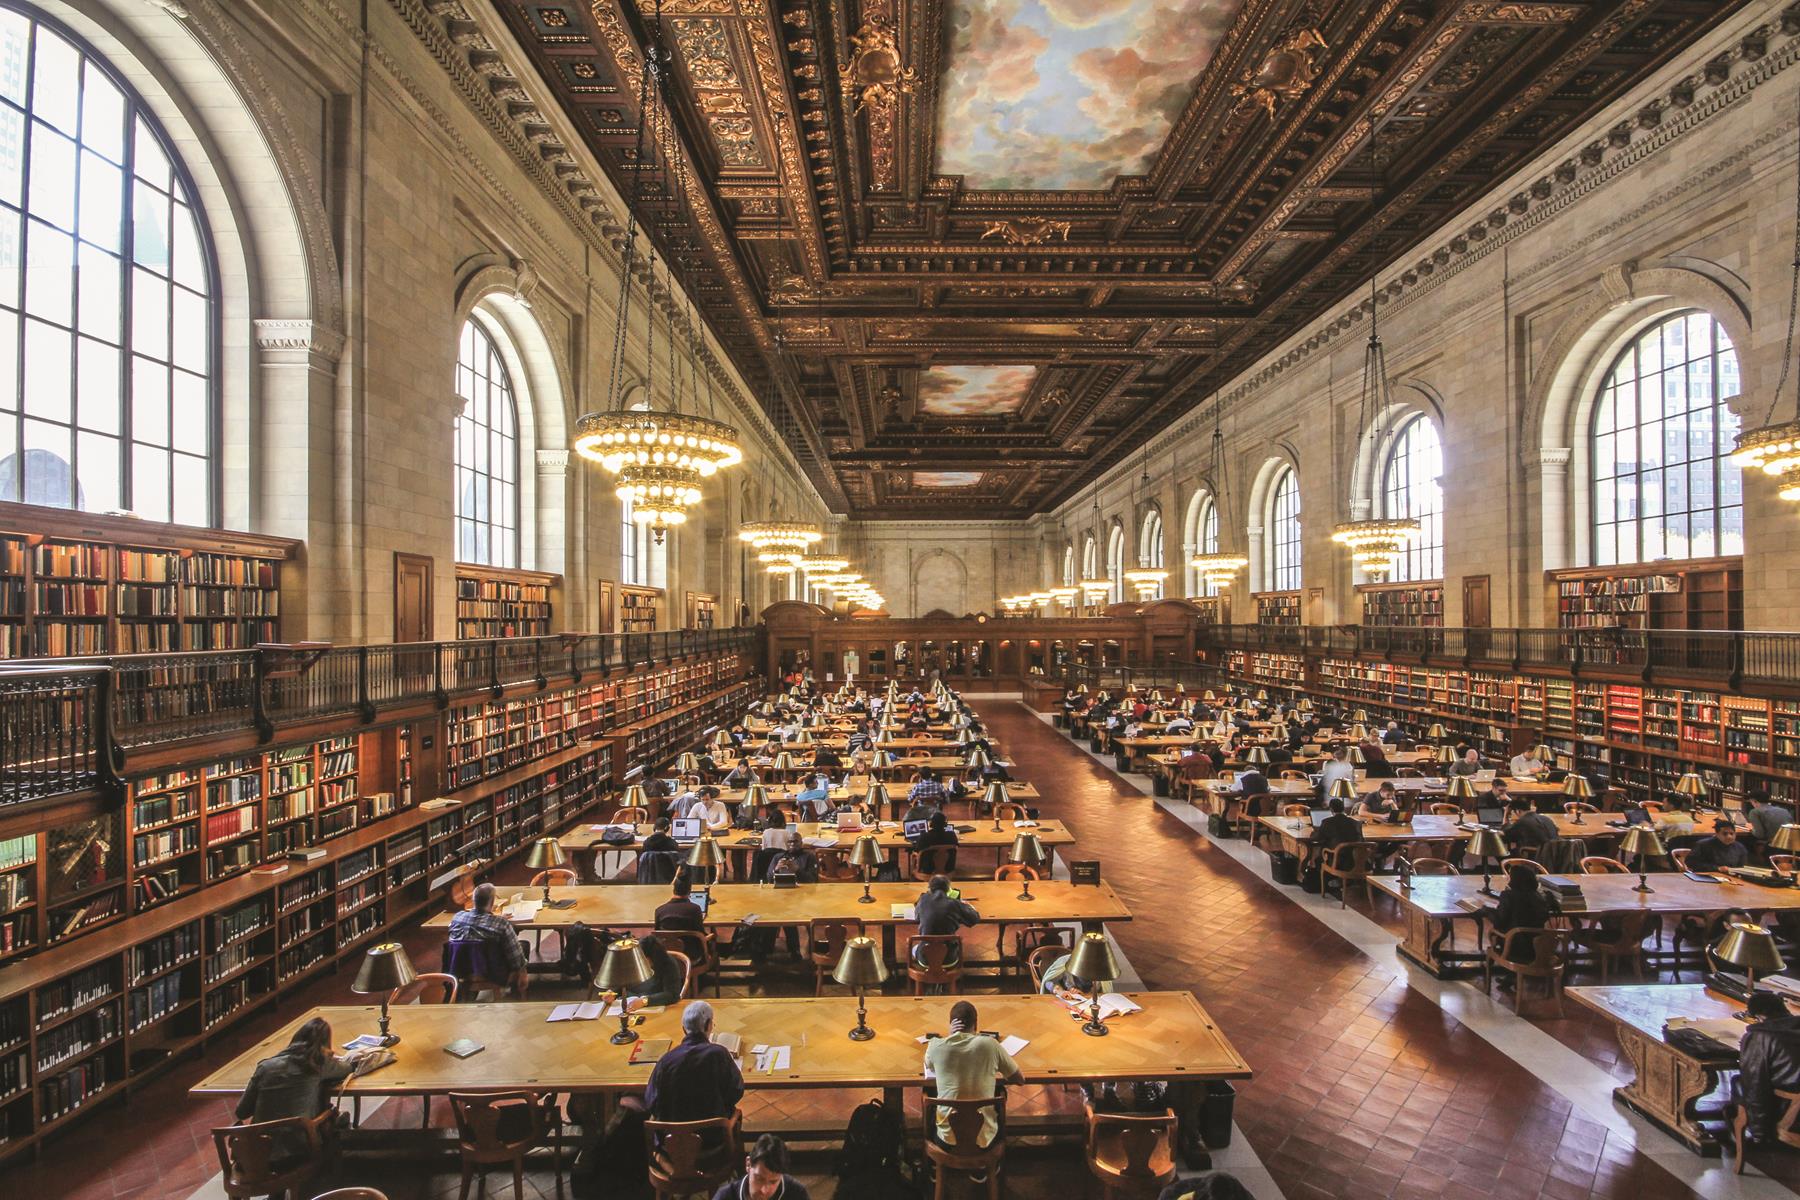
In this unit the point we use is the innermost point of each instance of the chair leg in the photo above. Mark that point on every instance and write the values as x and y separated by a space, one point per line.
519 1177
468 1172
1740 1121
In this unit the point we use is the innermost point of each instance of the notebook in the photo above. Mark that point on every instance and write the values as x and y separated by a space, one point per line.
685 829
464 1048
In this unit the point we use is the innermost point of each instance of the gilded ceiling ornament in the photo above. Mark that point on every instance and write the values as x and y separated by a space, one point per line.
875 77
1285 72
1033 232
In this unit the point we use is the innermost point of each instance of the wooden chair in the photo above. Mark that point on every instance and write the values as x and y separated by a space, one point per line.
687 973
352 1193
1408 773
693 1156
1442 809
825 938
1599 864
933 860
934 959
255 1162
503 1127
431 987
1783 862
1618 936
1654 806
1037 963
1352 862
701 952
630 816
1579 806
1681 856
964 1153
1300 775
1787 1127
1131 1154
1507 864
1529 954
1434 866
1038 935
1009 812
1296 810
1007 871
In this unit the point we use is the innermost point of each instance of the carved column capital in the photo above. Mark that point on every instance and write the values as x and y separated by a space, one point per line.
299 343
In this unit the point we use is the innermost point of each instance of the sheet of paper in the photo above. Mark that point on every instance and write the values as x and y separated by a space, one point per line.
1025 824
523 910
903 912
562 1012
1013 1043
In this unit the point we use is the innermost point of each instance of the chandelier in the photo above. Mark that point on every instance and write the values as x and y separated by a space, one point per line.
1145 581
822 564
1094 588
659 495
1218 569
1774 449
1068 594
616 440
795 536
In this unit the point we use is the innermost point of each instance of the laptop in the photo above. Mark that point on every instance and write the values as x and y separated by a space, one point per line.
685 829
702 897
849 819
915 829
1319 815
1490 816
1485 776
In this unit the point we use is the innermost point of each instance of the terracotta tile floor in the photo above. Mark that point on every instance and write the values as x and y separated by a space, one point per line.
1362 1088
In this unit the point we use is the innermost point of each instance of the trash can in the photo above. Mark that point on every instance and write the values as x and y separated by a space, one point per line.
1215 1114
1284 867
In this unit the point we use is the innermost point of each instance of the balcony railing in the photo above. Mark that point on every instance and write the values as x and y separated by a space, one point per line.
65 726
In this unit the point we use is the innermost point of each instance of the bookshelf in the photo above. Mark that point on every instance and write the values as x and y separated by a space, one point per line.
702 610
1691 594
1277 608
76 583
496 603
486 738
637 608
1403 605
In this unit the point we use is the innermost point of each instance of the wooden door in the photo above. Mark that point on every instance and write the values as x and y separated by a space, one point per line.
1476 612
412 597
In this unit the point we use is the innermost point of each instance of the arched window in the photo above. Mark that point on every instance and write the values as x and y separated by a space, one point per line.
1150 544
1115 562
487 454
1203 536
1281 545
1090 565
630 533
1664 484
1412 486
1068 570
107 312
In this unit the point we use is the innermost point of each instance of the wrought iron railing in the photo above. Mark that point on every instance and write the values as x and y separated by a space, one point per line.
53 726
1187 677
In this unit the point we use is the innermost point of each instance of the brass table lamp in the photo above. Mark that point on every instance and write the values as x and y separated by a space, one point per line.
860 967
384 968
688 763
1093 961
1485 843
979 758
1435 733
706 855
624 966
1642 841
636 797
1751 947
1446 755
866 853
1028 851
1461 787
1257 755
994 797
755 796
546 854
1786 840
877 798
1694 788
1342 789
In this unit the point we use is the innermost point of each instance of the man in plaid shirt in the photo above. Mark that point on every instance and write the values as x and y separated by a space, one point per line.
482 924
928 790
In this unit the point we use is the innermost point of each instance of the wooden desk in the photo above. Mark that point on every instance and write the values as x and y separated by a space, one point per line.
1665 1081
1172 1038
1435 900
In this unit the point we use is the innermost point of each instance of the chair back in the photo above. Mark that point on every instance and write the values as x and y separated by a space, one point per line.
965 1119
555 877
933 860
258 1159
471 962
1037 963
1352 858
1599 864
1434 866
1580 806
1507 864
1015 871
1561 856
934 957
695 946
1536 949
1009 811
761 861
480 1117
687 973
827 935
693 1156
432 987
1408 773
1783 863
1653 806
658 866
1145 1142
1296 810
630 816
1441 809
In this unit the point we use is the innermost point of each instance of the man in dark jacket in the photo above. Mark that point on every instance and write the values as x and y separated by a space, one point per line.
698 1079
1526 831
937 833
1338 829
1720 850
1768 1060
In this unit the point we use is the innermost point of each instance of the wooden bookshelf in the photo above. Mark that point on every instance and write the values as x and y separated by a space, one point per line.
638 608
702 610
76 583
1403 605
1277 608
1689 594
496 603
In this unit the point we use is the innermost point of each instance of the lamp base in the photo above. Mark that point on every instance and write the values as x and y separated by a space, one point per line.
626 1035
1094 1028
865 898
1025 895
390 1039
1643 885
861 1033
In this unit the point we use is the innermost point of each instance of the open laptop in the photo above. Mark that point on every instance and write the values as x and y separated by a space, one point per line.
1485 776
915 829
1319 815
685 829
849 819
1490 816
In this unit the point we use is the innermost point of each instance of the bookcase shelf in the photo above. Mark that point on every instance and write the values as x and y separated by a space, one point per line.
638 608
1691 594
1277 608
496 603
1403 605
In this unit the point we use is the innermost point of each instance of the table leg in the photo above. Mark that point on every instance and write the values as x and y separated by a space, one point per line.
1186 1097
1159 782
1664 1086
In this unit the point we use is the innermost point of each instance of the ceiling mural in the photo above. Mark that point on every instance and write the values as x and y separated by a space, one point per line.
1068 94
974 391
1115 208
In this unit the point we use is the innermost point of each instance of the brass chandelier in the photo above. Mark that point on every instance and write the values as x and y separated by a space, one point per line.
1774 448
1219 570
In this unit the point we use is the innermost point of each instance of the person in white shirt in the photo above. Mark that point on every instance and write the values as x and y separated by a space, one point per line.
1340 767
1178 725
709 808
1526 766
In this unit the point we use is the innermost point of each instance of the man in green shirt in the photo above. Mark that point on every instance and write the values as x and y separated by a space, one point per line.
967 1065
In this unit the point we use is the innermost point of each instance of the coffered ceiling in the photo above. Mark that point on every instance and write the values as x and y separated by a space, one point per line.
972 252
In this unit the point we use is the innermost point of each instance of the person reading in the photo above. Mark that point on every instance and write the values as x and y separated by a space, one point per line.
298 1081
1720 851
698 1079
481 924
968 1065
765 1175
679 911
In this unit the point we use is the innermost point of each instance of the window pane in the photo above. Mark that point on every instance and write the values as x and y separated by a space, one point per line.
12 156
49 267
192 415
149 315
9 363
52 177
102 203
49 478
98 387
190 262
152 166
9 258
56 81
485 454
150 229
98 280
102 115
149 401
150 482
193 489
15 50
190 331
97 458
48 357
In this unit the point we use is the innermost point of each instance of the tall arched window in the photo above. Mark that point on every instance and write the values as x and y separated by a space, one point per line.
1203 536
487 454
1090 564
107 314
1150 544
1664 484
1068 570
630 534
1281 544
1412 486
1115 561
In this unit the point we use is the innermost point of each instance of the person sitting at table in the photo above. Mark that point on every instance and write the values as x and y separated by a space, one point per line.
815 800
1522 904
1279 754
666 981
1499 796
796 859
765 1175
1252 782
968 1065
1766 817
1377 805
1375 761
860 738
1768 1061
1133 729
297 1081
916 724
1525 765
1526 830
939 913
1468 764
826 759
1338 829
1177 725
1393 735
1719 851
927 791
1337 767
710 809
937 833
765 816
678 911
660 839
698 1079
1196 763
481 924
741 775
1060 983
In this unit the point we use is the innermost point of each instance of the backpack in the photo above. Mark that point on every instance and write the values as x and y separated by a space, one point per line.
873 1164
616 1164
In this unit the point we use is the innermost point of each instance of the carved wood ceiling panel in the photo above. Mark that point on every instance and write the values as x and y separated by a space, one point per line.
933 349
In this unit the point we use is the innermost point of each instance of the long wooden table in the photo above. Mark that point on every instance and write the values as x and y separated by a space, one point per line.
1172 1038
1296 833
1665 1081
1433 901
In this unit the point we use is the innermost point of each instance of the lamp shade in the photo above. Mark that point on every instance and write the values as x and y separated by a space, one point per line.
1642 839
624 966
877 795
688 763
1487 843
1436 732
705 853
1210 696
1305 704
979 758
866 852
636 797
1257 755
859 965
783 761
1751 947
1356 755
1081 689
1262 694
802 738
1543 753
1341 789
1359 732
546 852
964 736
1577 787
1028 850
1461 788
384 968
997 794
756 795
1446 754
1690 784
722 740
1360 715
1786 839
1093 959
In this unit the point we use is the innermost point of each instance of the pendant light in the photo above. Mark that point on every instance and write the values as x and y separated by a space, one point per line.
1095 587
1219 570
660 456
1774 448
1375 544
1144 579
